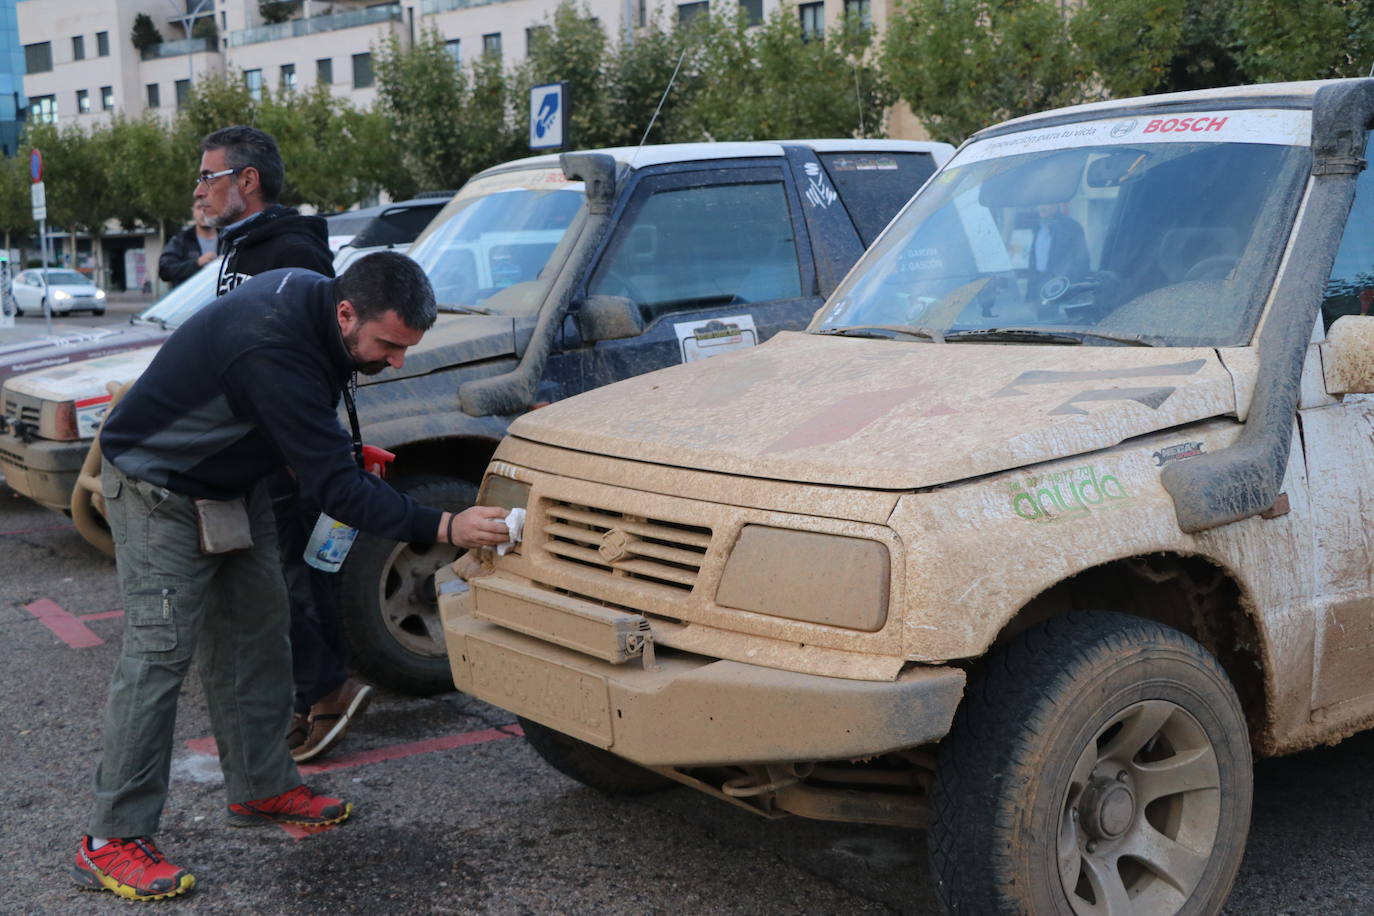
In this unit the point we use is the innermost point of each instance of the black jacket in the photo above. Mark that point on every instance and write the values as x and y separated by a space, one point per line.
275 238
181 258
248 384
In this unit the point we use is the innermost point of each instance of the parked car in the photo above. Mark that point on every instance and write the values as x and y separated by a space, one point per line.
1036 556
393 225
50 414
67 291
557 274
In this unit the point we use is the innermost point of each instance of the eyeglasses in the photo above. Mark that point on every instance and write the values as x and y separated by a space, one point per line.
206 178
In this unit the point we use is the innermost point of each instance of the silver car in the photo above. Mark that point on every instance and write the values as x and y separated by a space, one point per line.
70 292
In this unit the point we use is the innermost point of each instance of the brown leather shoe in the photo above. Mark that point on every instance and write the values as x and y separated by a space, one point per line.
299 730
330 718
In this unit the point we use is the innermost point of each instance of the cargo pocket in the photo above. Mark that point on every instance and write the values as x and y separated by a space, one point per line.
150 619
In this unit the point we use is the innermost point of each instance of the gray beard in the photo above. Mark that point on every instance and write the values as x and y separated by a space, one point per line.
233 210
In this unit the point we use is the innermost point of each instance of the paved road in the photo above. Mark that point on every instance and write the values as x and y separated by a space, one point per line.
455 814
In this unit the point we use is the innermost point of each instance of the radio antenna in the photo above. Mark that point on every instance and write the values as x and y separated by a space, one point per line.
664 98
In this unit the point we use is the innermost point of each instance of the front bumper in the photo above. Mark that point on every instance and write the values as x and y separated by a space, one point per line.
692 711
43 470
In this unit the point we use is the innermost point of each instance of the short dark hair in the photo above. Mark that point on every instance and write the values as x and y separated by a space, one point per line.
388 281
247 146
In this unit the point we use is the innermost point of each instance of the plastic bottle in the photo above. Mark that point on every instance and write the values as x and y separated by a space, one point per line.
329 544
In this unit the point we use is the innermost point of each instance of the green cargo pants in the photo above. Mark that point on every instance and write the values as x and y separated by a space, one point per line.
227 610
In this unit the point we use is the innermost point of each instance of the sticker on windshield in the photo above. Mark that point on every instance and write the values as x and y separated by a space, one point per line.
1245 125
702 339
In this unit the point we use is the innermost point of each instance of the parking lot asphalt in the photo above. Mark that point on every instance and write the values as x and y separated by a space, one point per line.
455 814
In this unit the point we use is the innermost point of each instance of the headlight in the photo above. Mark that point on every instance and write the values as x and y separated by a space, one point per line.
500 488
60 295
100 294
802 575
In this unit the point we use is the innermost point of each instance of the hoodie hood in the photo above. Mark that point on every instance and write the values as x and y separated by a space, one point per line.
273 222
887 414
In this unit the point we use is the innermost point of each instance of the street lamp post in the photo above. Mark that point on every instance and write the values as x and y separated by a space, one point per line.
187 19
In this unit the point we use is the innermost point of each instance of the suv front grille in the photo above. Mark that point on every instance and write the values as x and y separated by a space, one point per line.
627 546
22 408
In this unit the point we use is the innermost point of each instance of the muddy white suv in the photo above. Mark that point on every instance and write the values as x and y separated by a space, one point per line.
1053 517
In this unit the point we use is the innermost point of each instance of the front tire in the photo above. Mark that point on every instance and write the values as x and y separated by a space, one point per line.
590 765
1099 763
387 599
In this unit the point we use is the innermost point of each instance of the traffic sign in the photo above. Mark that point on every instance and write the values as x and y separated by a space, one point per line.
548 115
36 166
39 199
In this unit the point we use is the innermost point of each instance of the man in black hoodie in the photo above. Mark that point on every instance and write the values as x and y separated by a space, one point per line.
189 250
241 177
250 383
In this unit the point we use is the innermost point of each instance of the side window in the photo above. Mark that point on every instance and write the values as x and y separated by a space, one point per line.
695 247
874 186
1350 290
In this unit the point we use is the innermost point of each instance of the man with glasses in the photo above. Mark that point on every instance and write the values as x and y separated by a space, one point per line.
240 180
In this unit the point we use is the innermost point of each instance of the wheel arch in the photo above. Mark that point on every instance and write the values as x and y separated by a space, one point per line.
1189 592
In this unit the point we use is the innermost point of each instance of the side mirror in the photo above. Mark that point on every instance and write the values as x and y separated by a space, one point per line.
1348 355
609 318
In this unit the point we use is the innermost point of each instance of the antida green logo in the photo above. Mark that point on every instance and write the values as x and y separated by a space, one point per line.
1075 492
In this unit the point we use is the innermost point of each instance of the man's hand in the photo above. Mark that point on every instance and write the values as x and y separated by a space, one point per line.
480 526
207 258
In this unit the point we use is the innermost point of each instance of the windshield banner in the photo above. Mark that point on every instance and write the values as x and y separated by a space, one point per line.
1246 125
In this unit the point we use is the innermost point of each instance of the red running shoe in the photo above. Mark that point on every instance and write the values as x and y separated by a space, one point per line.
295 806
131 868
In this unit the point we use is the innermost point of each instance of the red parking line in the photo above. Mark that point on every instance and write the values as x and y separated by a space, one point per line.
63 625
376 755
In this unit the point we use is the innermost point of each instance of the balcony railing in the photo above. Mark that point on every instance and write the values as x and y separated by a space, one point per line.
314 24
430 7
177 48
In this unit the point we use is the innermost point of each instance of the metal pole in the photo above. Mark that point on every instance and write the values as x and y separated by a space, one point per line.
47 299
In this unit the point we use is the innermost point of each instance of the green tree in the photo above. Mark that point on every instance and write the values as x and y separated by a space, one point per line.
636 75
77 165
571 46
16 209
1293 40
324 157
214 102
447 121
767 82
1137 47
964 64
144 34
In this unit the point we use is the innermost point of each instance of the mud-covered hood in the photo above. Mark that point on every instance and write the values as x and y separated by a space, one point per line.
26 349
85 379
888 414
455 340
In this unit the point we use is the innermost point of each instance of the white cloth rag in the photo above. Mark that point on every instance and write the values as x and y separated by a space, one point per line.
515 522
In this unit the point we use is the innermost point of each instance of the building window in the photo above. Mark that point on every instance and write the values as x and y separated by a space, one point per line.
154 95
491 45
43 109
688 12
532 36
102 44
107 98
288 77
753 11
253 80
812 21
860 9
183 91
452 47
83 101
324 71
38 57
78 47
362 70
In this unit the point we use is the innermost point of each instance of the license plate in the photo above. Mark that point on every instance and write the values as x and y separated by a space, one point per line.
564 699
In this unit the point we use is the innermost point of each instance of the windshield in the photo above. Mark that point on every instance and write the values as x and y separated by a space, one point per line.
187 299
66 278
488 248
1108 232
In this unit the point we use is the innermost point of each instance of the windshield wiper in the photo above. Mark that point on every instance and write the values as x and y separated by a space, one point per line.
463 310
884 332
1035 335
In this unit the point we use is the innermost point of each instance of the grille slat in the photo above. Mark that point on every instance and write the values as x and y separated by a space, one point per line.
657 552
